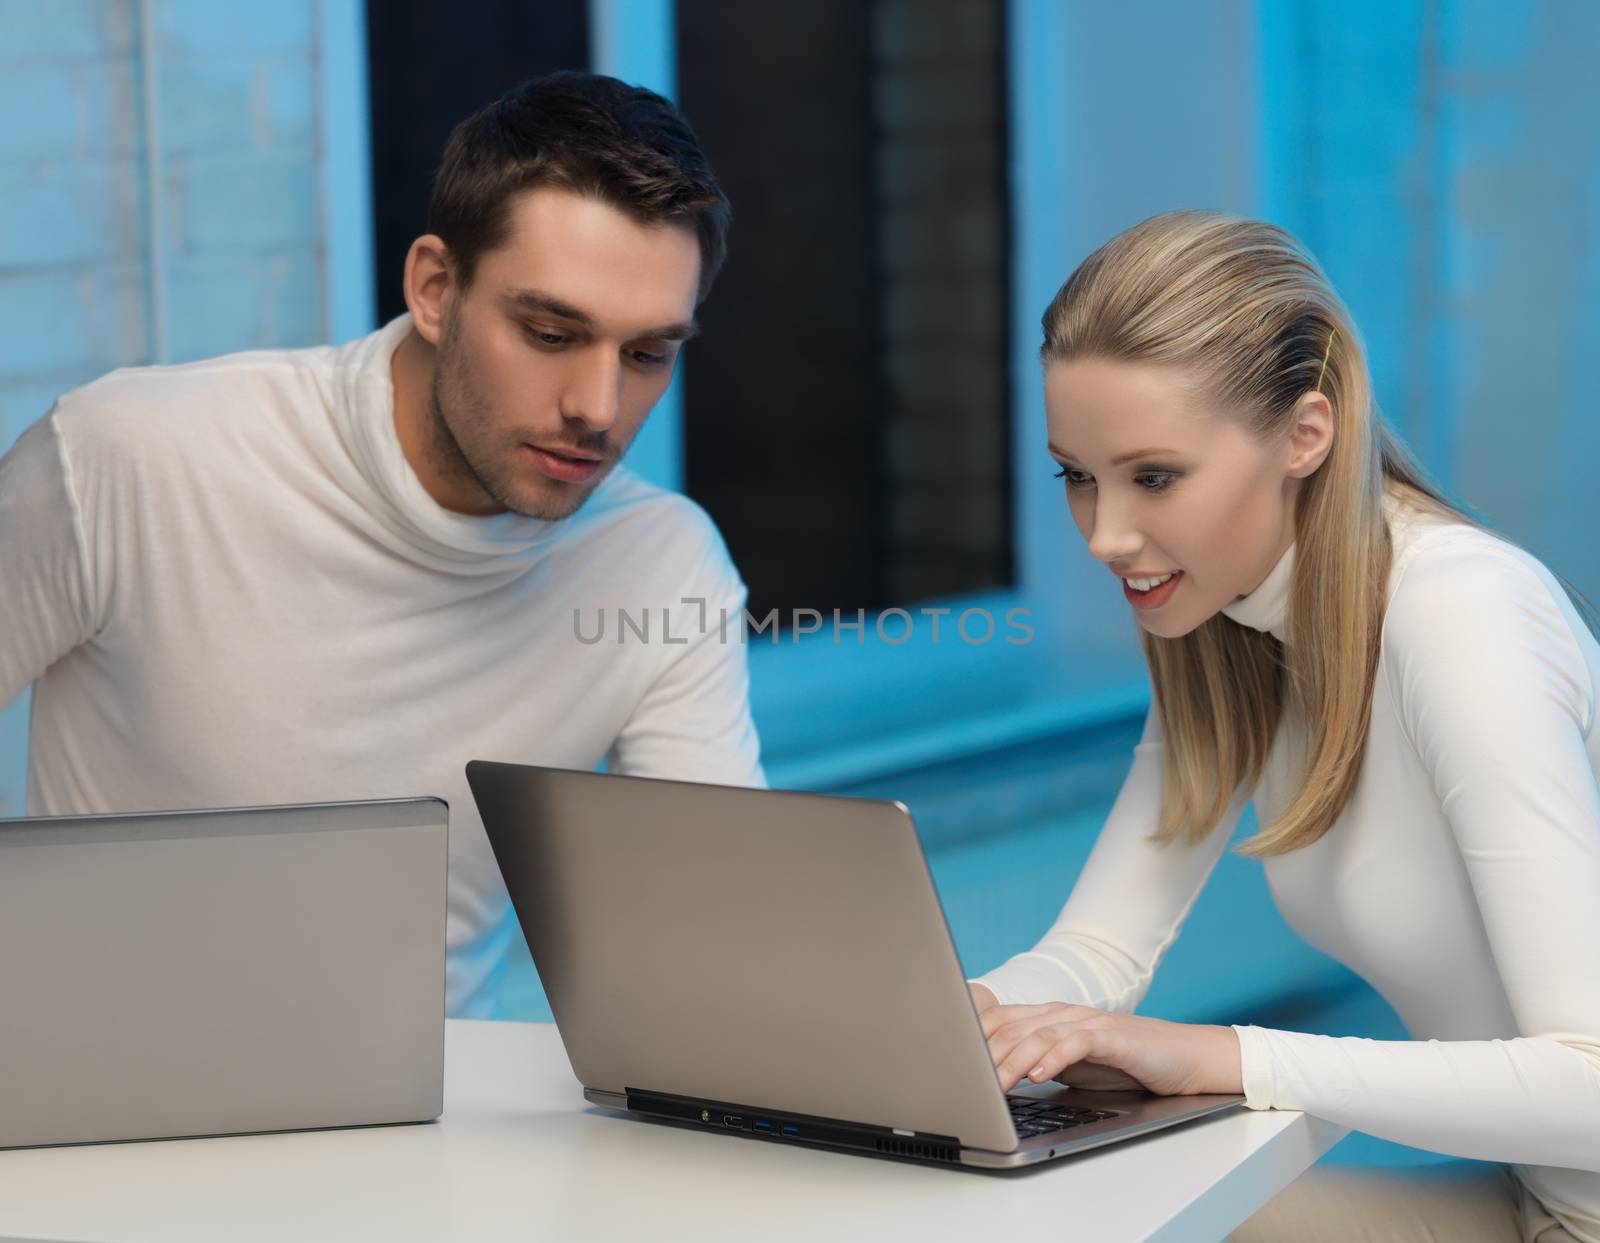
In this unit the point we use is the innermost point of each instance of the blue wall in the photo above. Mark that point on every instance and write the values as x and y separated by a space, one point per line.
1442 161
184 177
178 178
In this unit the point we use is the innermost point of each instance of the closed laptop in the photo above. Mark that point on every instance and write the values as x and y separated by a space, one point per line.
215 972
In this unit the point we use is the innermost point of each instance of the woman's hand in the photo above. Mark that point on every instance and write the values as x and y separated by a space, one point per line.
1091 1048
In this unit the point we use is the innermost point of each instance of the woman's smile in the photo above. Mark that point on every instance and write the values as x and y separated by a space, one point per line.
1155 596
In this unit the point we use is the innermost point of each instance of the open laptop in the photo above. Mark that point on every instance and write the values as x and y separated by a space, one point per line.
214 972
773 965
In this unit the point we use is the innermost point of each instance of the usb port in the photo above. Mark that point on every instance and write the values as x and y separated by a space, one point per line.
763 1125
790 1129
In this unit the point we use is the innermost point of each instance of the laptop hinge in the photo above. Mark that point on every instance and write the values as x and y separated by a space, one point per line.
785 1126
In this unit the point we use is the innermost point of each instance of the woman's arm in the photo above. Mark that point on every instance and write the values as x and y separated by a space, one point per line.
1495 693
1126 906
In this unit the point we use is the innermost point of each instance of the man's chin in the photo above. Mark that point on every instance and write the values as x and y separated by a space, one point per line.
552 504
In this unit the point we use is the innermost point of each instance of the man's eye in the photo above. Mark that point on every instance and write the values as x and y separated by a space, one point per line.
544 337
646 359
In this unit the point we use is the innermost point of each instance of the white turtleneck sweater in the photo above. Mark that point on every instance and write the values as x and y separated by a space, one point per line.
1461 880
229 588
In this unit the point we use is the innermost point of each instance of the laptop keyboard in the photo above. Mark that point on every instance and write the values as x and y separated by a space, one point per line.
1032 1116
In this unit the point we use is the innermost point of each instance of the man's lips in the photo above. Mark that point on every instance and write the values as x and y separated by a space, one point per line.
564 465
580 455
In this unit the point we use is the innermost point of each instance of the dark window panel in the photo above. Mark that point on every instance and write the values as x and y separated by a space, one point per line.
429 66
783 440
848 409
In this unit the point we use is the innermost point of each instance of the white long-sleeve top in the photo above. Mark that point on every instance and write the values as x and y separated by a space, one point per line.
230 588
1461 880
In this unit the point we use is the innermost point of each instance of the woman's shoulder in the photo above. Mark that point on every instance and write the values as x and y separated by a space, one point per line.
1461 596
1447 554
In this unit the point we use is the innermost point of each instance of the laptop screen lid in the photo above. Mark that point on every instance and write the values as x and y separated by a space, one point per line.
769 948
213 972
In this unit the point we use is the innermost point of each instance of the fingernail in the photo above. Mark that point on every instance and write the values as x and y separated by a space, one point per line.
1035 1073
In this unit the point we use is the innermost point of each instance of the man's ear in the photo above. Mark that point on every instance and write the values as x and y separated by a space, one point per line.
1312 438
429 284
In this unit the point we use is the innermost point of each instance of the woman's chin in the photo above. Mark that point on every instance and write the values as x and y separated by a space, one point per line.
1173 626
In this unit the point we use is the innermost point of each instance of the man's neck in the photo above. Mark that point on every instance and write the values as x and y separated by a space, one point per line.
411 372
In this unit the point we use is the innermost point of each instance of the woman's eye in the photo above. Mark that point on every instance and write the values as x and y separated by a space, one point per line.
1150 481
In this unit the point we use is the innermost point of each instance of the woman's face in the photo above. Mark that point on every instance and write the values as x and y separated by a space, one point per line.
1160 484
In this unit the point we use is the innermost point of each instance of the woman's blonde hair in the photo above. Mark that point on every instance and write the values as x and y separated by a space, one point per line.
1245 312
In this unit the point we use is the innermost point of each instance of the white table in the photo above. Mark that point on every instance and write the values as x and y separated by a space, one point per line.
519 1154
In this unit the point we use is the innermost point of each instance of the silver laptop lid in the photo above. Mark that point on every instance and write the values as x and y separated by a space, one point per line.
779 950
214 972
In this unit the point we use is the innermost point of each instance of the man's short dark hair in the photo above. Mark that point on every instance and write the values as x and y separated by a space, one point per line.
624 145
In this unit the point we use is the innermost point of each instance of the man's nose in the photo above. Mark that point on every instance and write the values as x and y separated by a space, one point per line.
593 392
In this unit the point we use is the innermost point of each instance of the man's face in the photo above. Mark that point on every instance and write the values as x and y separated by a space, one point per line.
1198 495
565 339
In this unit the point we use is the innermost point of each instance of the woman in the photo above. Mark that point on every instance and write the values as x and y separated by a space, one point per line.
1410 701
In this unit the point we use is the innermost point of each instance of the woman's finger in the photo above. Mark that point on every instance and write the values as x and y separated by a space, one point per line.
1021 1020
1078 1044
1009 1036
998 1016
1060 1043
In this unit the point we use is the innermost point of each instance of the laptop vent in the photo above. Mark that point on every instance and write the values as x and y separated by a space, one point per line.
918 1148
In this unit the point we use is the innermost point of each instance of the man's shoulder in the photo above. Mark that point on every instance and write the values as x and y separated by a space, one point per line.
134 409
627 496
652 528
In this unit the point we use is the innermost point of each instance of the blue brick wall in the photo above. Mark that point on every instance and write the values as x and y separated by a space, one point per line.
1435 153
1441 160
237 173
235 167
71 207
241 175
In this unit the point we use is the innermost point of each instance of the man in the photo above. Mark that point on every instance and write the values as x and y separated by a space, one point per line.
341 573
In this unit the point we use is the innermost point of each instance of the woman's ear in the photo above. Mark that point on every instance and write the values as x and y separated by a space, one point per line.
1312 438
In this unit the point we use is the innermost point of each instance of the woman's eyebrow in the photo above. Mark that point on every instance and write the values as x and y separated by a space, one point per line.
1121 457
